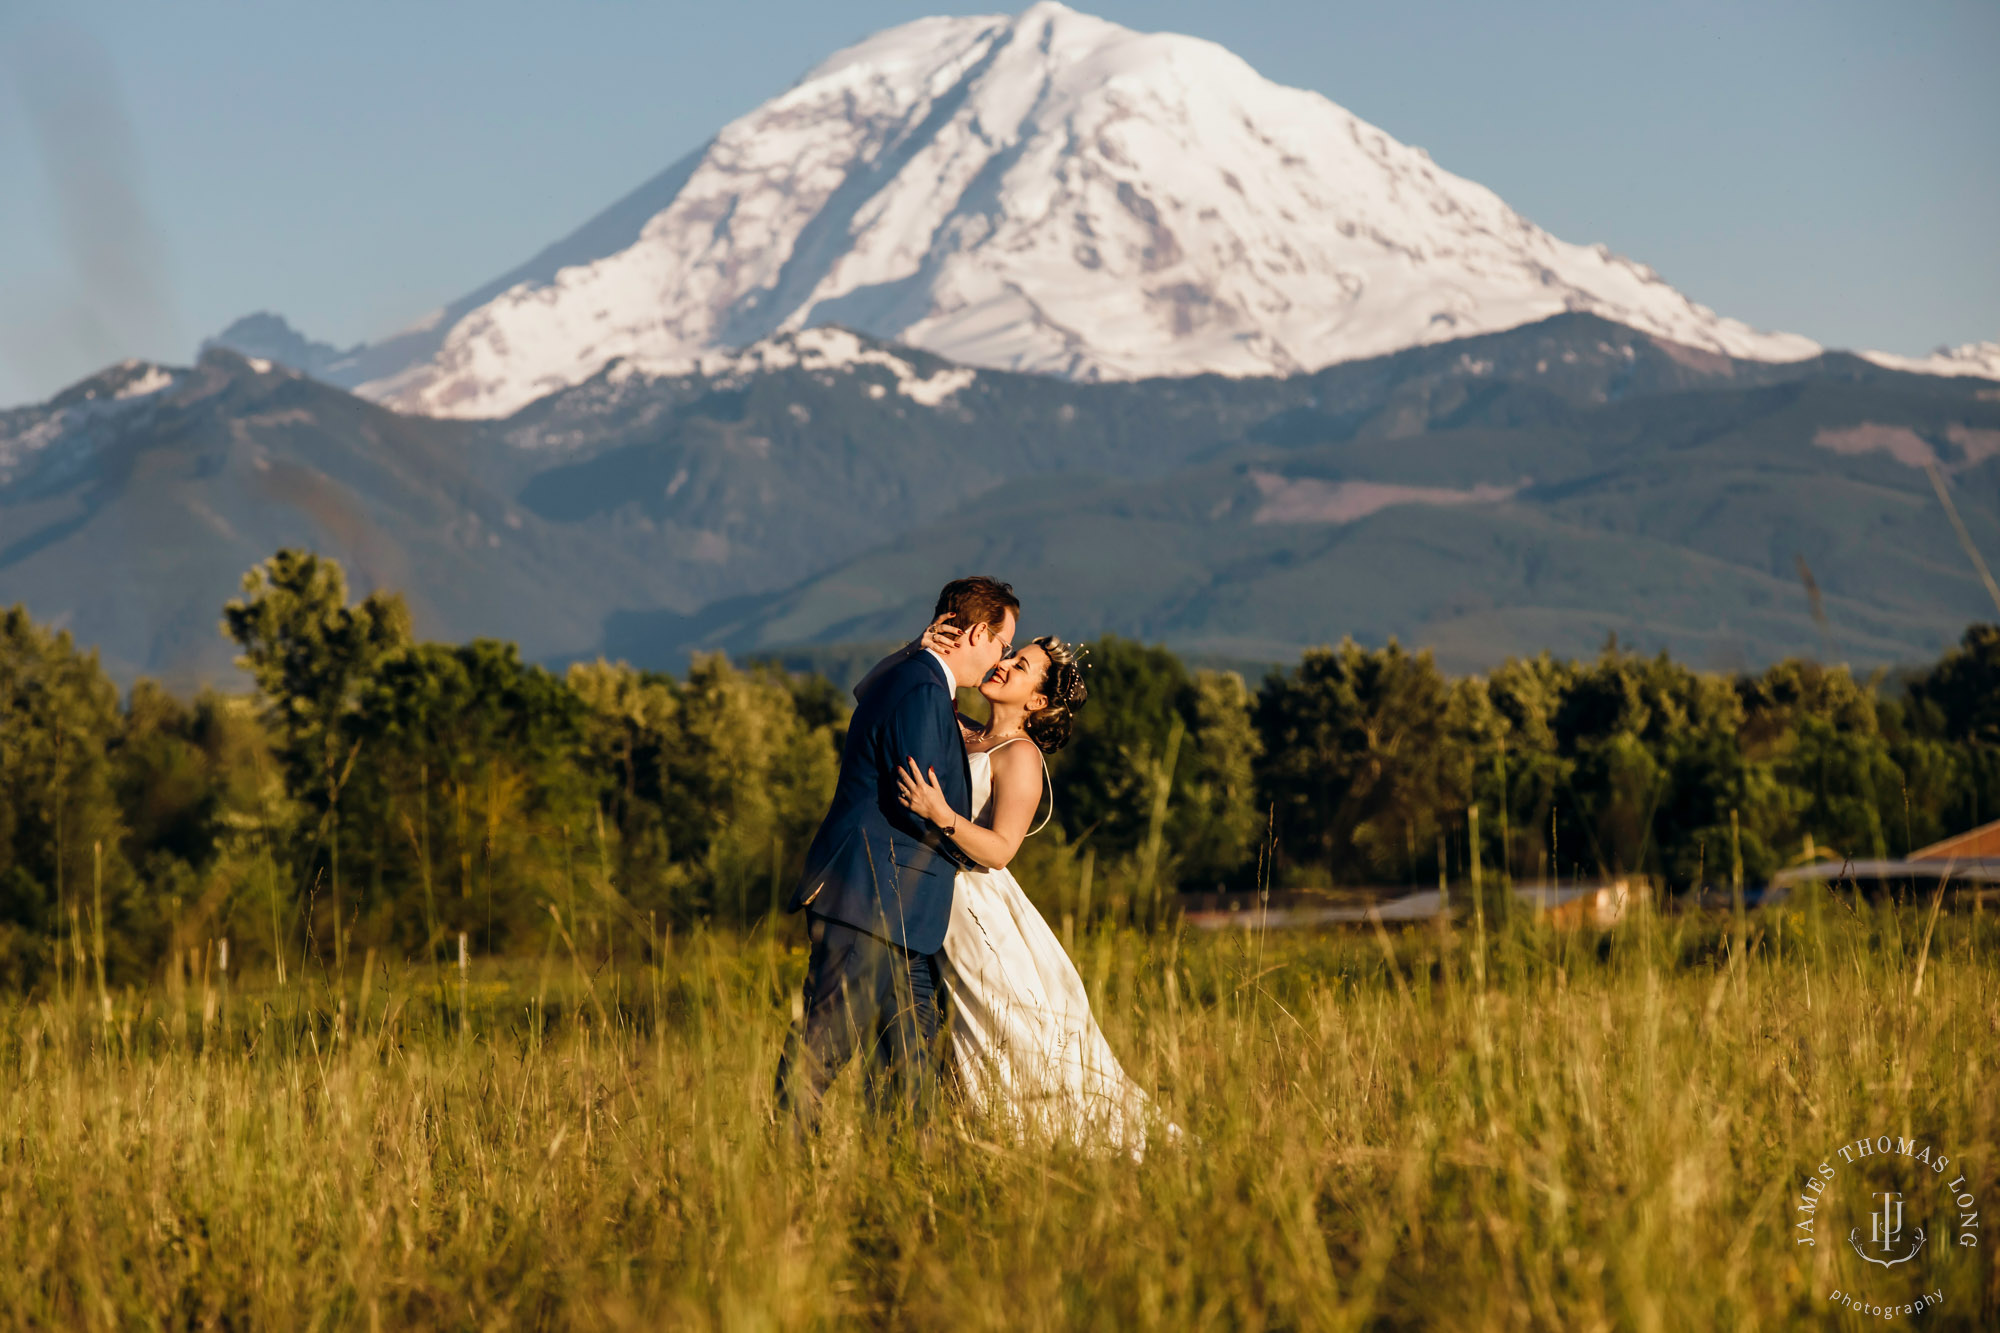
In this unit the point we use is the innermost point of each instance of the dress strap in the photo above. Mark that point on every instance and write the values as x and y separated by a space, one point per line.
1048 785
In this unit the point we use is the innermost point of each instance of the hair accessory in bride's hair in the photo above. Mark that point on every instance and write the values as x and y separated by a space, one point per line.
1062 685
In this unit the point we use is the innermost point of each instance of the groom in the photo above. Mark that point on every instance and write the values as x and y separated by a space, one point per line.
878 879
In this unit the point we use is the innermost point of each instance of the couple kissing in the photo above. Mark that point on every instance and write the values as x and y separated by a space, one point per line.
911 910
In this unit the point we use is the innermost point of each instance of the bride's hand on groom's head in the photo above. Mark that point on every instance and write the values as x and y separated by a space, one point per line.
941 635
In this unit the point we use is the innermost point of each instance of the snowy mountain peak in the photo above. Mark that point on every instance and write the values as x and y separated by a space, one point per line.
1980 360
79 412
266 336
1049 193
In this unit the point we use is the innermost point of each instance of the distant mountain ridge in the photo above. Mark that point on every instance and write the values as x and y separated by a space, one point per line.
1511 524
1048 193
1534 488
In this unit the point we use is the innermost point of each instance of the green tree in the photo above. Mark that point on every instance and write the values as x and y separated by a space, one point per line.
167 785
711 789
1814 734
1655 761
1529 771
1354 762
630 721
311 655
1954 709
468 801
1965 688
1106 778
748 781
63 871
1144 709
1216 823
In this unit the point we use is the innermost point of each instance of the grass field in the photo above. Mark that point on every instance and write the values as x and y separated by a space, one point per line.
1604 1132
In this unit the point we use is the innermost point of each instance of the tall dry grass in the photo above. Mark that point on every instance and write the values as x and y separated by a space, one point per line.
1607 1134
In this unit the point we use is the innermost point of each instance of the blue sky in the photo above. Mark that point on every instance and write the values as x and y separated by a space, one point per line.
1831 168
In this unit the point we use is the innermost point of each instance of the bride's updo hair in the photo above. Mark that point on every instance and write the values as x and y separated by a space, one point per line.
1062 686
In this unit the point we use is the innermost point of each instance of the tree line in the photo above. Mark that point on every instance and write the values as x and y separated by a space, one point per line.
376 791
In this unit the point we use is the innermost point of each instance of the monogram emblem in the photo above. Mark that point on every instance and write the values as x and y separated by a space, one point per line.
1885 1232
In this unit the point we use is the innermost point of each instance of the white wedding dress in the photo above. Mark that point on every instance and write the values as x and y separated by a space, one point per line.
1024 1045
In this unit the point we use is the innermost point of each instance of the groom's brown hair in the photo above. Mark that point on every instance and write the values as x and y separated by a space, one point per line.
978 600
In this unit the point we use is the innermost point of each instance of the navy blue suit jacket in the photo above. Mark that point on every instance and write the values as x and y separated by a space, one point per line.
875 865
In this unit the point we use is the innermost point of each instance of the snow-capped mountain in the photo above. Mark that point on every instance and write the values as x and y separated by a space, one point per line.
1049 193
79 416
1980 359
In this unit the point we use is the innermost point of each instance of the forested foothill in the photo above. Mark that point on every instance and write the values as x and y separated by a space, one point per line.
379 792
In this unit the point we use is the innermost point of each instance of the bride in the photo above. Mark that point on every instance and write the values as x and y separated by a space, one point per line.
1024 1045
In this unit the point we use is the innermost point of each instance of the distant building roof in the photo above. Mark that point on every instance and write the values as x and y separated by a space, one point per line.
1976 870
1571 904
1973 844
